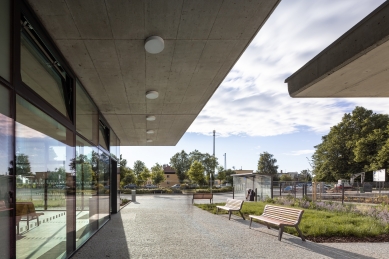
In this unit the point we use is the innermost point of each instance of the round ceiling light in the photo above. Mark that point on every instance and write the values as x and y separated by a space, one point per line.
154 44
150 131
149 140
152 94
150 118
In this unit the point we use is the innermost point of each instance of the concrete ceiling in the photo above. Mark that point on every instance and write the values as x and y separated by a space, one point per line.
103 41
355 65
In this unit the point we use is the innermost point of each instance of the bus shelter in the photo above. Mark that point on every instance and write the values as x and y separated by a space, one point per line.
260 183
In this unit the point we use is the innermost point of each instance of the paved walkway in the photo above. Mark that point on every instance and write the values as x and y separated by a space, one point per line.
169 226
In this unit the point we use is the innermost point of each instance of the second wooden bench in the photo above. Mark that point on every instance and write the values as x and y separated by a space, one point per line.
203 196
281 217
232 205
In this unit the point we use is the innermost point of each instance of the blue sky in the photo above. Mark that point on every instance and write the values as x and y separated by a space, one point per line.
252 111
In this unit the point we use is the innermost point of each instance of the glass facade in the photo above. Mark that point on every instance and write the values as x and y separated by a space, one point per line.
44 156
40 72
87 116
56 149
6 171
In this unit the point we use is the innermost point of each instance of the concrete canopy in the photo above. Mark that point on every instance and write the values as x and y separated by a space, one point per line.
355 65
103 41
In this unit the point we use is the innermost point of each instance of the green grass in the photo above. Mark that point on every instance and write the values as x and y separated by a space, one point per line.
317 223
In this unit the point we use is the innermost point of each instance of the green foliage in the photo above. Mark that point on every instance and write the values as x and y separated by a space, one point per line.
145 174
196 172
181 164
128 176
23 166
221 174
138 167
267 164
351 146
229 178
319 223
157 174
304 176
285 178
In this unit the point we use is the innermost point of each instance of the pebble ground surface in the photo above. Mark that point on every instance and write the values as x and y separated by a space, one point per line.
169 226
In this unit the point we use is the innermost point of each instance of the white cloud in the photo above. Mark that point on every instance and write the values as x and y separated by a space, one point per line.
253 100
300 152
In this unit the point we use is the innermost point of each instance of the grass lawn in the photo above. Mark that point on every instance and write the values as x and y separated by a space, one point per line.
319 223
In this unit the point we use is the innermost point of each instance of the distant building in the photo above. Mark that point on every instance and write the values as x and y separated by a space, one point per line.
170 177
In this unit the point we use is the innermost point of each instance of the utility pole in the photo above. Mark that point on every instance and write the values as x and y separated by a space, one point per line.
210 176
225 161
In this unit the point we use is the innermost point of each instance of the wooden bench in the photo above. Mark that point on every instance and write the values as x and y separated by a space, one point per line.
281 217
25 211
202 196
232 205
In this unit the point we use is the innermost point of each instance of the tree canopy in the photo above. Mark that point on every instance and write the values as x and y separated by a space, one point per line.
267 164
157 174
180 163
196 172
352 146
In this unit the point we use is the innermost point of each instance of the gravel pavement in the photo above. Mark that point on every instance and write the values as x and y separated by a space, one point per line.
169 226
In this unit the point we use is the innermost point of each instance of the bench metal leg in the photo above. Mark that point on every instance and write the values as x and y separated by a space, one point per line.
229 212
251 221
267 225
280 231
242 215
301 234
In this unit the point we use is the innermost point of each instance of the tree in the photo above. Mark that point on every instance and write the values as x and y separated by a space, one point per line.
138 167
267 164
144 175
196 172
229 177
210 163
22 165
157 174
128 176
305 176
181 164
221 174
286 178
339 155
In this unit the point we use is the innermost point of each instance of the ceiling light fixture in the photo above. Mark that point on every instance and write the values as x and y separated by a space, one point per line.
150 131
149 140
150 118
154 44
152 94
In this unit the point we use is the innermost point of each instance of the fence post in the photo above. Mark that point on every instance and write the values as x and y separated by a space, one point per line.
280 188
342 193
295 190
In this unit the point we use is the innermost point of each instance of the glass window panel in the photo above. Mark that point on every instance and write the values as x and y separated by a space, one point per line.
44 169
5 39
6 180
103 177
39 73
86 195
103 136
87 117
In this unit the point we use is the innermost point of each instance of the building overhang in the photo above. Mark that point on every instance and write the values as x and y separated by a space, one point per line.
355 65
103 42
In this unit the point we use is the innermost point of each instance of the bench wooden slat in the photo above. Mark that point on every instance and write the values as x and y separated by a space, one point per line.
281 217
232 205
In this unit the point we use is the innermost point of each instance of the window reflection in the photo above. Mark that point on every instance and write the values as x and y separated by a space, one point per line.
40 72
86 163
6 179
103 177
87 118
44 152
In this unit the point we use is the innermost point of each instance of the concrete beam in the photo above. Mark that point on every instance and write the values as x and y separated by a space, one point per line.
355 65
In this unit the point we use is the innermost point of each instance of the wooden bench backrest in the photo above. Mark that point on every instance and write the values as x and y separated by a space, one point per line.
202 195
289 215
234 204
24 208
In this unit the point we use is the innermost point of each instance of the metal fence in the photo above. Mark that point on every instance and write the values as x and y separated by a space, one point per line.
367 192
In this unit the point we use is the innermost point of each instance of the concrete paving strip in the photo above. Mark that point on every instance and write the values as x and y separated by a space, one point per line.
169 226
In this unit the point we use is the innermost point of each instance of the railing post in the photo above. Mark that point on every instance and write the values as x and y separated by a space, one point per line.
342 193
